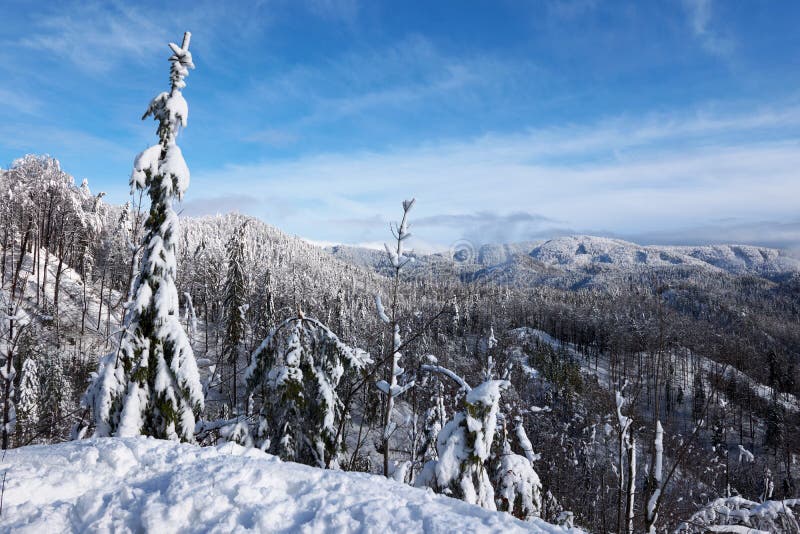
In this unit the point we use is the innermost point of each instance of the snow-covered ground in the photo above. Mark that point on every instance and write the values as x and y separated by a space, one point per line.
148 485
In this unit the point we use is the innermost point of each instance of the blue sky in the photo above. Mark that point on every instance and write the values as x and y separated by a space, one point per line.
662 122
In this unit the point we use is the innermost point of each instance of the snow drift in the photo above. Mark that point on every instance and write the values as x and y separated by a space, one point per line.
144 484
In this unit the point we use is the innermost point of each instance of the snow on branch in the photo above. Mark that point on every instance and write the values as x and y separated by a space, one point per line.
381 310
447 372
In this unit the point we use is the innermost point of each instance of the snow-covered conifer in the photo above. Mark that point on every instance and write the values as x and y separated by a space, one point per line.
150 385
464 447
292 377
29 392
234 302
519 490
435 419
265 313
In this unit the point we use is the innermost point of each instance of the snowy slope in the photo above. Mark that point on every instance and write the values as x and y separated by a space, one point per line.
682 358
147 485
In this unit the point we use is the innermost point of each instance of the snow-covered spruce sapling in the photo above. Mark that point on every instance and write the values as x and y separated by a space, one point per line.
465 444
434 421
150 385
292 378
390 386
519 490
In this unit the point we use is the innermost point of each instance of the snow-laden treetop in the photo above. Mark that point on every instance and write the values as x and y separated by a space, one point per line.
164 162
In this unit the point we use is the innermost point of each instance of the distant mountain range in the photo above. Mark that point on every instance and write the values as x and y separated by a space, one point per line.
581 260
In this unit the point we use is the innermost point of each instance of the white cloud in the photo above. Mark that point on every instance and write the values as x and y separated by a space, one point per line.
623 175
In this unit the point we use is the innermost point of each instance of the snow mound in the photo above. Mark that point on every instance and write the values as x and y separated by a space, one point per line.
148 485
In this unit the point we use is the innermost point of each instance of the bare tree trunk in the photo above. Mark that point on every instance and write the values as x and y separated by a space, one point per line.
22 248
36 270
44 273
631 484
57 282
85 300
108 316
102 287
7 391
5 251
621 488
8 378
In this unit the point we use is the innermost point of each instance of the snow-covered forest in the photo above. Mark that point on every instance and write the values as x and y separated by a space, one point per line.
578 383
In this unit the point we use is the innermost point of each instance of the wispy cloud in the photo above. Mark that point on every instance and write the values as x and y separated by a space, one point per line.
71 143
400 76
92 35
699 17
97 37
337 10
17 101
272 137
492 227
569 9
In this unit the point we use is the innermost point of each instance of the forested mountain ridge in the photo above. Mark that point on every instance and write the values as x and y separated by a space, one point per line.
589 260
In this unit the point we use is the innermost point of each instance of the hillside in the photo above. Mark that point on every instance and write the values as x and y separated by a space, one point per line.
581 260
142 484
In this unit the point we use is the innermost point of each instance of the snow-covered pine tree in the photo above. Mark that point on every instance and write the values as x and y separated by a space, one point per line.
265 312
435 419
292 379
55 394
465 444
151 385
234 307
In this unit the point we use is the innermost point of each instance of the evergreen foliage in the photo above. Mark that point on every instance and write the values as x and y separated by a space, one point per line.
150 385
292 379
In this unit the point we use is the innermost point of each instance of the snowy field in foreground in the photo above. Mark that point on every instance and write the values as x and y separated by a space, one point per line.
142 484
